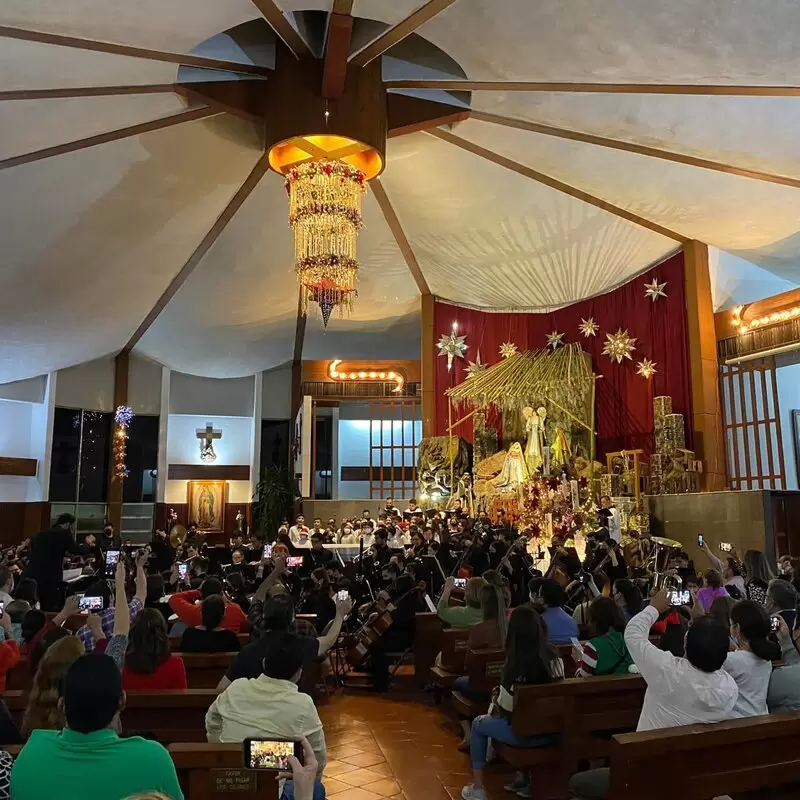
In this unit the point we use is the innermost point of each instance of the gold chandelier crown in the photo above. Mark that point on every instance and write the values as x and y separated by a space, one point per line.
325 200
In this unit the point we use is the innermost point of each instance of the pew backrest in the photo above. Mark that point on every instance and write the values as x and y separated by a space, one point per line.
484 668
697 762
205 670
428 628
454 649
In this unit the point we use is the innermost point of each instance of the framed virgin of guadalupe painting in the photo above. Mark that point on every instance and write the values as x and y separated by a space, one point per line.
206 504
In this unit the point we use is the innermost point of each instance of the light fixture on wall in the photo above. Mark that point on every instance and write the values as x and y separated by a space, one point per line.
373 375
768 319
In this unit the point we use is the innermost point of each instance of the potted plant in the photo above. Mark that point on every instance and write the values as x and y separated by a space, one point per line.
272 500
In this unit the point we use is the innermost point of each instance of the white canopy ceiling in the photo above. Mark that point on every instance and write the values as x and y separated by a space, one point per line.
93 238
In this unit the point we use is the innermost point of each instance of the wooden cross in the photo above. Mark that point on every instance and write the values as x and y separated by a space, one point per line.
206 436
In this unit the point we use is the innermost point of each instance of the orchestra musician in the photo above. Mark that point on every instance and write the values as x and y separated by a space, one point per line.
318 556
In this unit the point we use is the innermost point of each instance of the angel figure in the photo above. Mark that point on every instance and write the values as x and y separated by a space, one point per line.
534 444
560 452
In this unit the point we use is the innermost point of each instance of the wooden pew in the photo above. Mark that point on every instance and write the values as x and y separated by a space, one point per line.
175 641
573 712
205 670
176 716
216 771
428 629
454 650
706 761
484 668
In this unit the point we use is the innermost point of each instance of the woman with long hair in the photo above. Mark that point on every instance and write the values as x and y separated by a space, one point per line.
42 710
628 597
605 653
148 662
750 665
529 660
758 574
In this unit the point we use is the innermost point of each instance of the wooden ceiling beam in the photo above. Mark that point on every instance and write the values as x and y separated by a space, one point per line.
228 213
553 183
337 51
400 31
631 147
596 88
283 28
110 136
86 91
399 235
132 52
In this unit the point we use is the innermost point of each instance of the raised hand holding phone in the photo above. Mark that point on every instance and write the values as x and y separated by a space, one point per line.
303 775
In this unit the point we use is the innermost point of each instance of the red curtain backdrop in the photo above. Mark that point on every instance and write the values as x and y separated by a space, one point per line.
624 400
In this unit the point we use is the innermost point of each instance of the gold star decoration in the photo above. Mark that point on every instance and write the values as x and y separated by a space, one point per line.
588 327
619 345
508 349
646 368
475 366
654 290
452 345
555 339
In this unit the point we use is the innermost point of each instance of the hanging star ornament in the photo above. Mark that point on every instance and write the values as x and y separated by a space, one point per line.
475 366
452 345
619 345
646 368
654 290
589 327
508 349
555 339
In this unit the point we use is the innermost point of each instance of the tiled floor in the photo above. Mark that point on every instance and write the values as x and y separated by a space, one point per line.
380 746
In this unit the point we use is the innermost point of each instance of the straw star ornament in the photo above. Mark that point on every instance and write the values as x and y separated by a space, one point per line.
654 289
619 345
555 339
588 327
452 345
646 368
508 349
475 366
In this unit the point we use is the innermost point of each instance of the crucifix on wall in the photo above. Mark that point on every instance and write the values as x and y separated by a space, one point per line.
206 436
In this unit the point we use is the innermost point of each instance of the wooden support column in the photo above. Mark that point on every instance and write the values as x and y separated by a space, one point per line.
706 413
121 367
428 361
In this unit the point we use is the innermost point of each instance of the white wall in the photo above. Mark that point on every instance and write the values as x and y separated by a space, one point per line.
233 397
735 281
15 442
144 385
276 401
89 386
31 390
235 447
788 381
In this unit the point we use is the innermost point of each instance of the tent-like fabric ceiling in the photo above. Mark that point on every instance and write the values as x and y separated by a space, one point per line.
600 137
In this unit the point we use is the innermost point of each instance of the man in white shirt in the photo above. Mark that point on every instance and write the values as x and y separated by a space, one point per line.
680 691
6 584
270 706
298 533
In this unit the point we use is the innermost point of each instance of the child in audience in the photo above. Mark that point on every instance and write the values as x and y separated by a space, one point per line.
605 653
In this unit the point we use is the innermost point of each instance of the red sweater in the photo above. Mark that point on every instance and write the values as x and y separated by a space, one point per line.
183 604
9 658
170 675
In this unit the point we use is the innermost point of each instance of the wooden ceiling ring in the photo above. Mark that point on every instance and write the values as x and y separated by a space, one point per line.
86 91
399 235
631 147
337 50
400 31
133 52
309 147
349 150
597 88
235 203
110 136
283 28
413 114
553 183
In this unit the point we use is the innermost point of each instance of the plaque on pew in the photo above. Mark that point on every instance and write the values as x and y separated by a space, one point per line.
232 780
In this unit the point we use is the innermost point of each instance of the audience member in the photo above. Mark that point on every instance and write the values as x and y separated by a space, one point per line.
88 758
270 706
628 597
16 610
758 575
529 660
784 685
148 663
462 616
6 584
27 589
605 653
561 627
712 590
210 637
185 605
9 650
781 599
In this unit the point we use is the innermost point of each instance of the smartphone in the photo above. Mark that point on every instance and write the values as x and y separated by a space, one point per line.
460 583
726 547
576 643
112 558
342 595
2 609
582 577
271 754
182 570
294 561
87 604
267 551
699 539
775 624
679 597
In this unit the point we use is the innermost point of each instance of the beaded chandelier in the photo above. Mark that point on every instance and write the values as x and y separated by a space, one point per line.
325 214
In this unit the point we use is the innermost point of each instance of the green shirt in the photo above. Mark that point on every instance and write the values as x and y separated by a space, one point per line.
459 616
99 765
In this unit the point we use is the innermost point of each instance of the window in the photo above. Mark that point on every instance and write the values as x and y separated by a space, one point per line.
141 459
275 443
